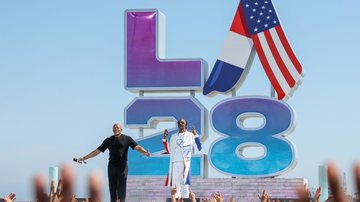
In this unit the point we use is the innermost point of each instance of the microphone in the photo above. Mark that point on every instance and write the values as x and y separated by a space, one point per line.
77 160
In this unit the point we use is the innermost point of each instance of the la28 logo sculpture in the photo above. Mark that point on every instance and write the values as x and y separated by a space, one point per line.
255 28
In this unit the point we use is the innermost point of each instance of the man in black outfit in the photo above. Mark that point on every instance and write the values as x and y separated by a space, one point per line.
118 145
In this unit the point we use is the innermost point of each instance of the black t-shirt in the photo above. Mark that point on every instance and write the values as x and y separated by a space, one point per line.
118 148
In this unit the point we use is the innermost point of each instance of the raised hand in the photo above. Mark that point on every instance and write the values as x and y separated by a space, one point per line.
213 197
64 191
39 187
194 131
166 133
173 194
303 194
357 176
205 200
55 196
219 197
95 188
335 183
10 198
265 197
317 194
192 196
232 199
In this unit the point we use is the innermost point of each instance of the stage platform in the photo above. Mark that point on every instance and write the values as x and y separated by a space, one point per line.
243 189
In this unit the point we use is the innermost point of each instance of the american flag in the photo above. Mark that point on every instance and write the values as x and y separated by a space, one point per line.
276 55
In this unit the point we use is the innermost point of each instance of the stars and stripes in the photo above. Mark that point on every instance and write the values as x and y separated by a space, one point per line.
277 58
259 22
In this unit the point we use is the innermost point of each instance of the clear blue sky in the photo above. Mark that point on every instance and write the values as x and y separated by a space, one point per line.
62 81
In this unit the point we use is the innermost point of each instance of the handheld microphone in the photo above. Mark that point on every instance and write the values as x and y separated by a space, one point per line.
77 160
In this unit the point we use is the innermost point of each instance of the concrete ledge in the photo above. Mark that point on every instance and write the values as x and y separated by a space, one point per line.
146 189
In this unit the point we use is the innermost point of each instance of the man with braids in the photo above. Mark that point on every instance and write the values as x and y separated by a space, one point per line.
180 149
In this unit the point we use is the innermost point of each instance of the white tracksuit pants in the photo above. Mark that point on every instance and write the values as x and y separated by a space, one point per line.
182 189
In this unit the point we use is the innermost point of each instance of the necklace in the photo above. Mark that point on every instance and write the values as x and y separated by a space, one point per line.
179 140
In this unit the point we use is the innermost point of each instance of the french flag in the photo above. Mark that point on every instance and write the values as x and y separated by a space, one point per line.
235 58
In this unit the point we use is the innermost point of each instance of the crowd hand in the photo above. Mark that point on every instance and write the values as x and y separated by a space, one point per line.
173 194
205 200
232 199
64 191
218 197
192 196
166 133
39 187
317 194
95 188
265 197
56 196
334 183
213 197
10 198
303 195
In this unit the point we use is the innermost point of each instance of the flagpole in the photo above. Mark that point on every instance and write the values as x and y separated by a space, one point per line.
141 129
233 92
272 91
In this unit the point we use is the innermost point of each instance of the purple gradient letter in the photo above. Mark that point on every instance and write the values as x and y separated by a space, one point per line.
145 68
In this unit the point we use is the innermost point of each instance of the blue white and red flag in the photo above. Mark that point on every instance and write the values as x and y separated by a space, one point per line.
235 58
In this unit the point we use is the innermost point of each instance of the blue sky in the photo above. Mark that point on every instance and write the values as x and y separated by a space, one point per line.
62 79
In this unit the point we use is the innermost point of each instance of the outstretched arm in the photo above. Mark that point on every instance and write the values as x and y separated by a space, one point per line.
90 155
142 150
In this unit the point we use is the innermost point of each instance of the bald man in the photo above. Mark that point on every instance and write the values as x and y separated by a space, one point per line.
118 145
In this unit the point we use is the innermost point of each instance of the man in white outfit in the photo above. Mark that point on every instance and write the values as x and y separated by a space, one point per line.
180 149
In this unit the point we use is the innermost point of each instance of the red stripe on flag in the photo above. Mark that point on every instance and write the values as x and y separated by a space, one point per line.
184 171
167 180
239 24
267 67
288 49
166 147
275 53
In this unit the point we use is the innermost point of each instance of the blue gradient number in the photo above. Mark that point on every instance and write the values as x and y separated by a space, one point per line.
227 119
145 112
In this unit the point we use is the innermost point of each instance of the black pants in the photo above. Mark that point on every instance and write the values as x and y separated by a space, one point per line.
117 181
